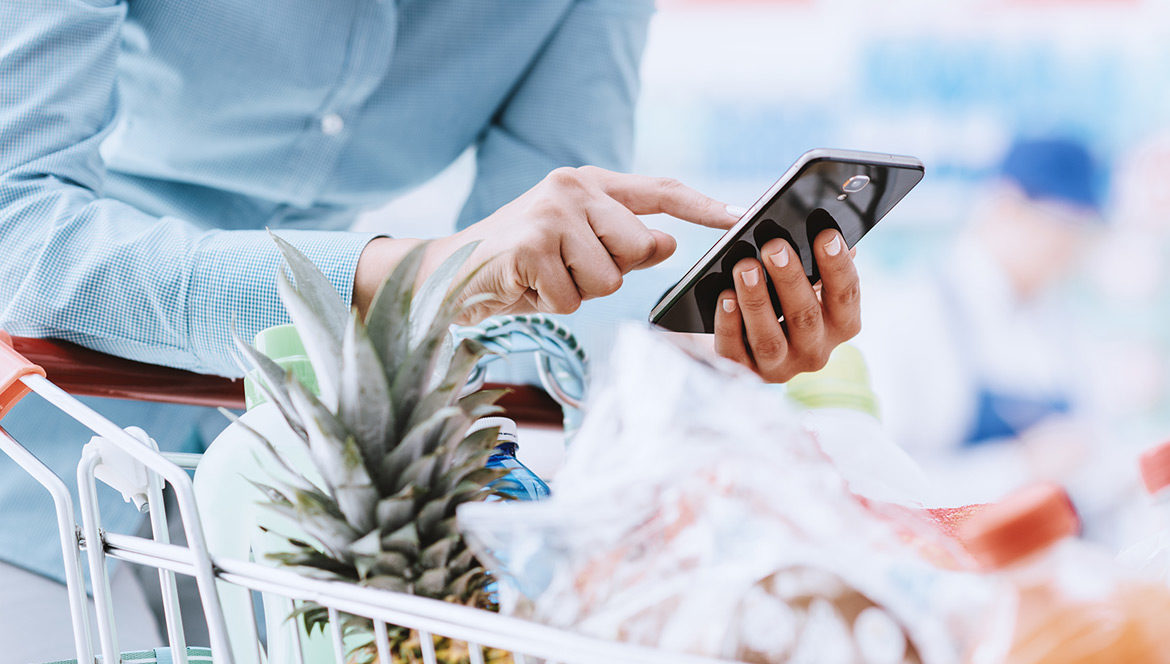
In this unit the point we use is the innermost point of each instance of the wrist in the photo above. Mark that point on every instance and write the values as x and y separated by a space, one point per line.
376 261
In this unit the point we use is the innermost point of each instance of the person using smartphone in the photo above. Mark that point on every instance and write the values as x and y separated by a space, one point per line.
147 147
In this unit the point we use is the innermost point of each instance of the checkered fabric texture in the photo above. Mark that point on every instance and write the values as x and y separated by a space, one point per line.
146 146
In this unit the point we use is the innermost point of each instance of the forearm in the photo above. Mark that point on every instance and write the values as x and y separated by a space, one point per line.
161 290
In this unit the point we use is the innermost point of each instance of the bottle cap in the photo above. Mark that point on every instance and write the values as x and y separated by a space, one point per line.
843 383
283 345
506 426
1025 522
1155 465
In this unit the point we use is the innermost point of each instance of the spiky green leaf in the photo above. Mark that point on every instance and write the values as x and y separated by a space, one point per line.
466 585
422 439
392 583
388 318
404 540
421 473
339 460
272 381
315 288
394 512
429 298
446 393
332 534
392 563
364 404
413 376
474 404
322 344
439 553
432 583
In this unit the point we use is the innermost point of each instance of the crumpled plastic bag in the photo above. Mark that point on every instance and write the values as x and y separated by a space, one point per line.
695 514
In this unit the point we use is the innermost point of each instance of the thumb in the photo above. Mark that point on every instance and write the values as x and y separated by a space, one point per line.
664 246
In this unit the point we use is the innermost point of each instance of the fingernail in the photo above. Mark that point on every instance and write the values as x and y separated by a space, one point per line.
751 277
729 305
736 211
833 247
779 258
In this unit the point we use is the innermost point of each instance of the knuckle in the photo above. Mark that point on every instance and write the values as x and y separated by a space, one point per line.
610 282
725 348
565 177
540 239
643 247
851 329
567 305
669 188
793 276
669 184
775 374
815 360
590 172
847 296
756 304
770 349
805 318
548 210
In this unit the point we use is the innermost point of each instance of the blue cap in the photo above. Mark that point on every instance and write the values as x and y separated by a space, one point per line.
1059 169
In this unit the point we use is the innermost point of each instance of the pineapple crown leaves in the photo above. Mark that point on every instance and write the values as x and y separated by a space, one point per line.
342 357
387 433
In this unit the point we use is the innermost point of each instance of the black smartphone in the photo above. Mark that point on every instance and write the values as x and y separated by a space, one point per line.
843 189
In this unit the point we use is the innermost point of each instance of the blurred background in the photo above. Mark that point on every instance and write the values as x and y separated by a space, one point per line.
1073 368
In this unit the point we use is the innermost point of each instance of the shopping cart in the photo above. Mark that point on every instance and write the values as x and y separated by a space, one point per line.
118 453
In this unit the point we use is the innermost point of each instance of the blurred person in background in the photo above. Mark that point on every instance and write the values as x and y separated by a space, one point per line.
147 147
972 359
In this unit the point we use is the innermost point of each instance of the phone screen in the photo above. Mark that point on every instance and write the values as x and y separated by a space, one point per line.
826 193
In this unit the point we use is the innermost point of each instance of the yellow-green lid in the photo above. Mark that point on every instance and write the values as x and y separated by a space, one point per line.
283 345
843 383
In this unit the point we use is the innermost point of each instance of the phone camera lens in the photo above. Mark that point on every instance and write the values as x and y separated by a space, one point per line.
855 184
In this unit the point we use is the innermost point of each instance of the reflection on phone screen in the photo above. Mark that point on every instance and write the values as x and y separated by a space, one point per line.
812 202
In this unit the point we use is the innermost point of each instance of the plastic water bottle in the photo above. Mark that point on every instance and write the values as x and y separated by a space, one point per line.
1151 555
520 483
842 414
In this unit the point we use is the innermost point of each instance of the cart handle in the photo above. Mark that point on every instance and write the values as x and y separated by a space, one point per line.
84 372
13 368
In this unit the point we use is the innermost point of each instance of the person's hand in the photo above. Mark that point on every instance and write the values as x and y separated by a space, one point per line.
570 238
748 330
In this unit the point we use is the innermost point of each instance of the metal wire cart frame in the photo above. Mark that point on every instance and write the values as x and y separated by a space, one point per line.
131 460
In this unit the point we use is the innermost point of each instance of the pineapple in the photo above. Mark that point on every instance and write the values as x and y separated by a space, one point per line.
387 439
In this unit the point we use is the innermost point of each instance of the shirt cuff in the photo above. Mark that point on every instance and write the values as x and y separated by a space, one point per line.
233 286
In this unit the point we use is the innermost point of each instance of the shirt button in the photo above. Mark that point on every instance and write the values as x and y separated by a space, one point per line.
332 124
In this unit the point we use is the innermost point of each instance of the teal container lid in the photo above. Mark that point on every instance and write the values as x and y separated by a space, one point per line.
283 345
843 383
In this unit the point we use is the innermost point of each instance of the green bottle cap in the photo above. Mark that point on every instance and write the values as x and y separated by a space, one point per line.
283 345
843 383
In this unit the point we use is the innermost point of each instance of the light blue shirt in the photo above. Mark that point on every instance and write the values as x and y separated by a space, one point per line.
145 145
